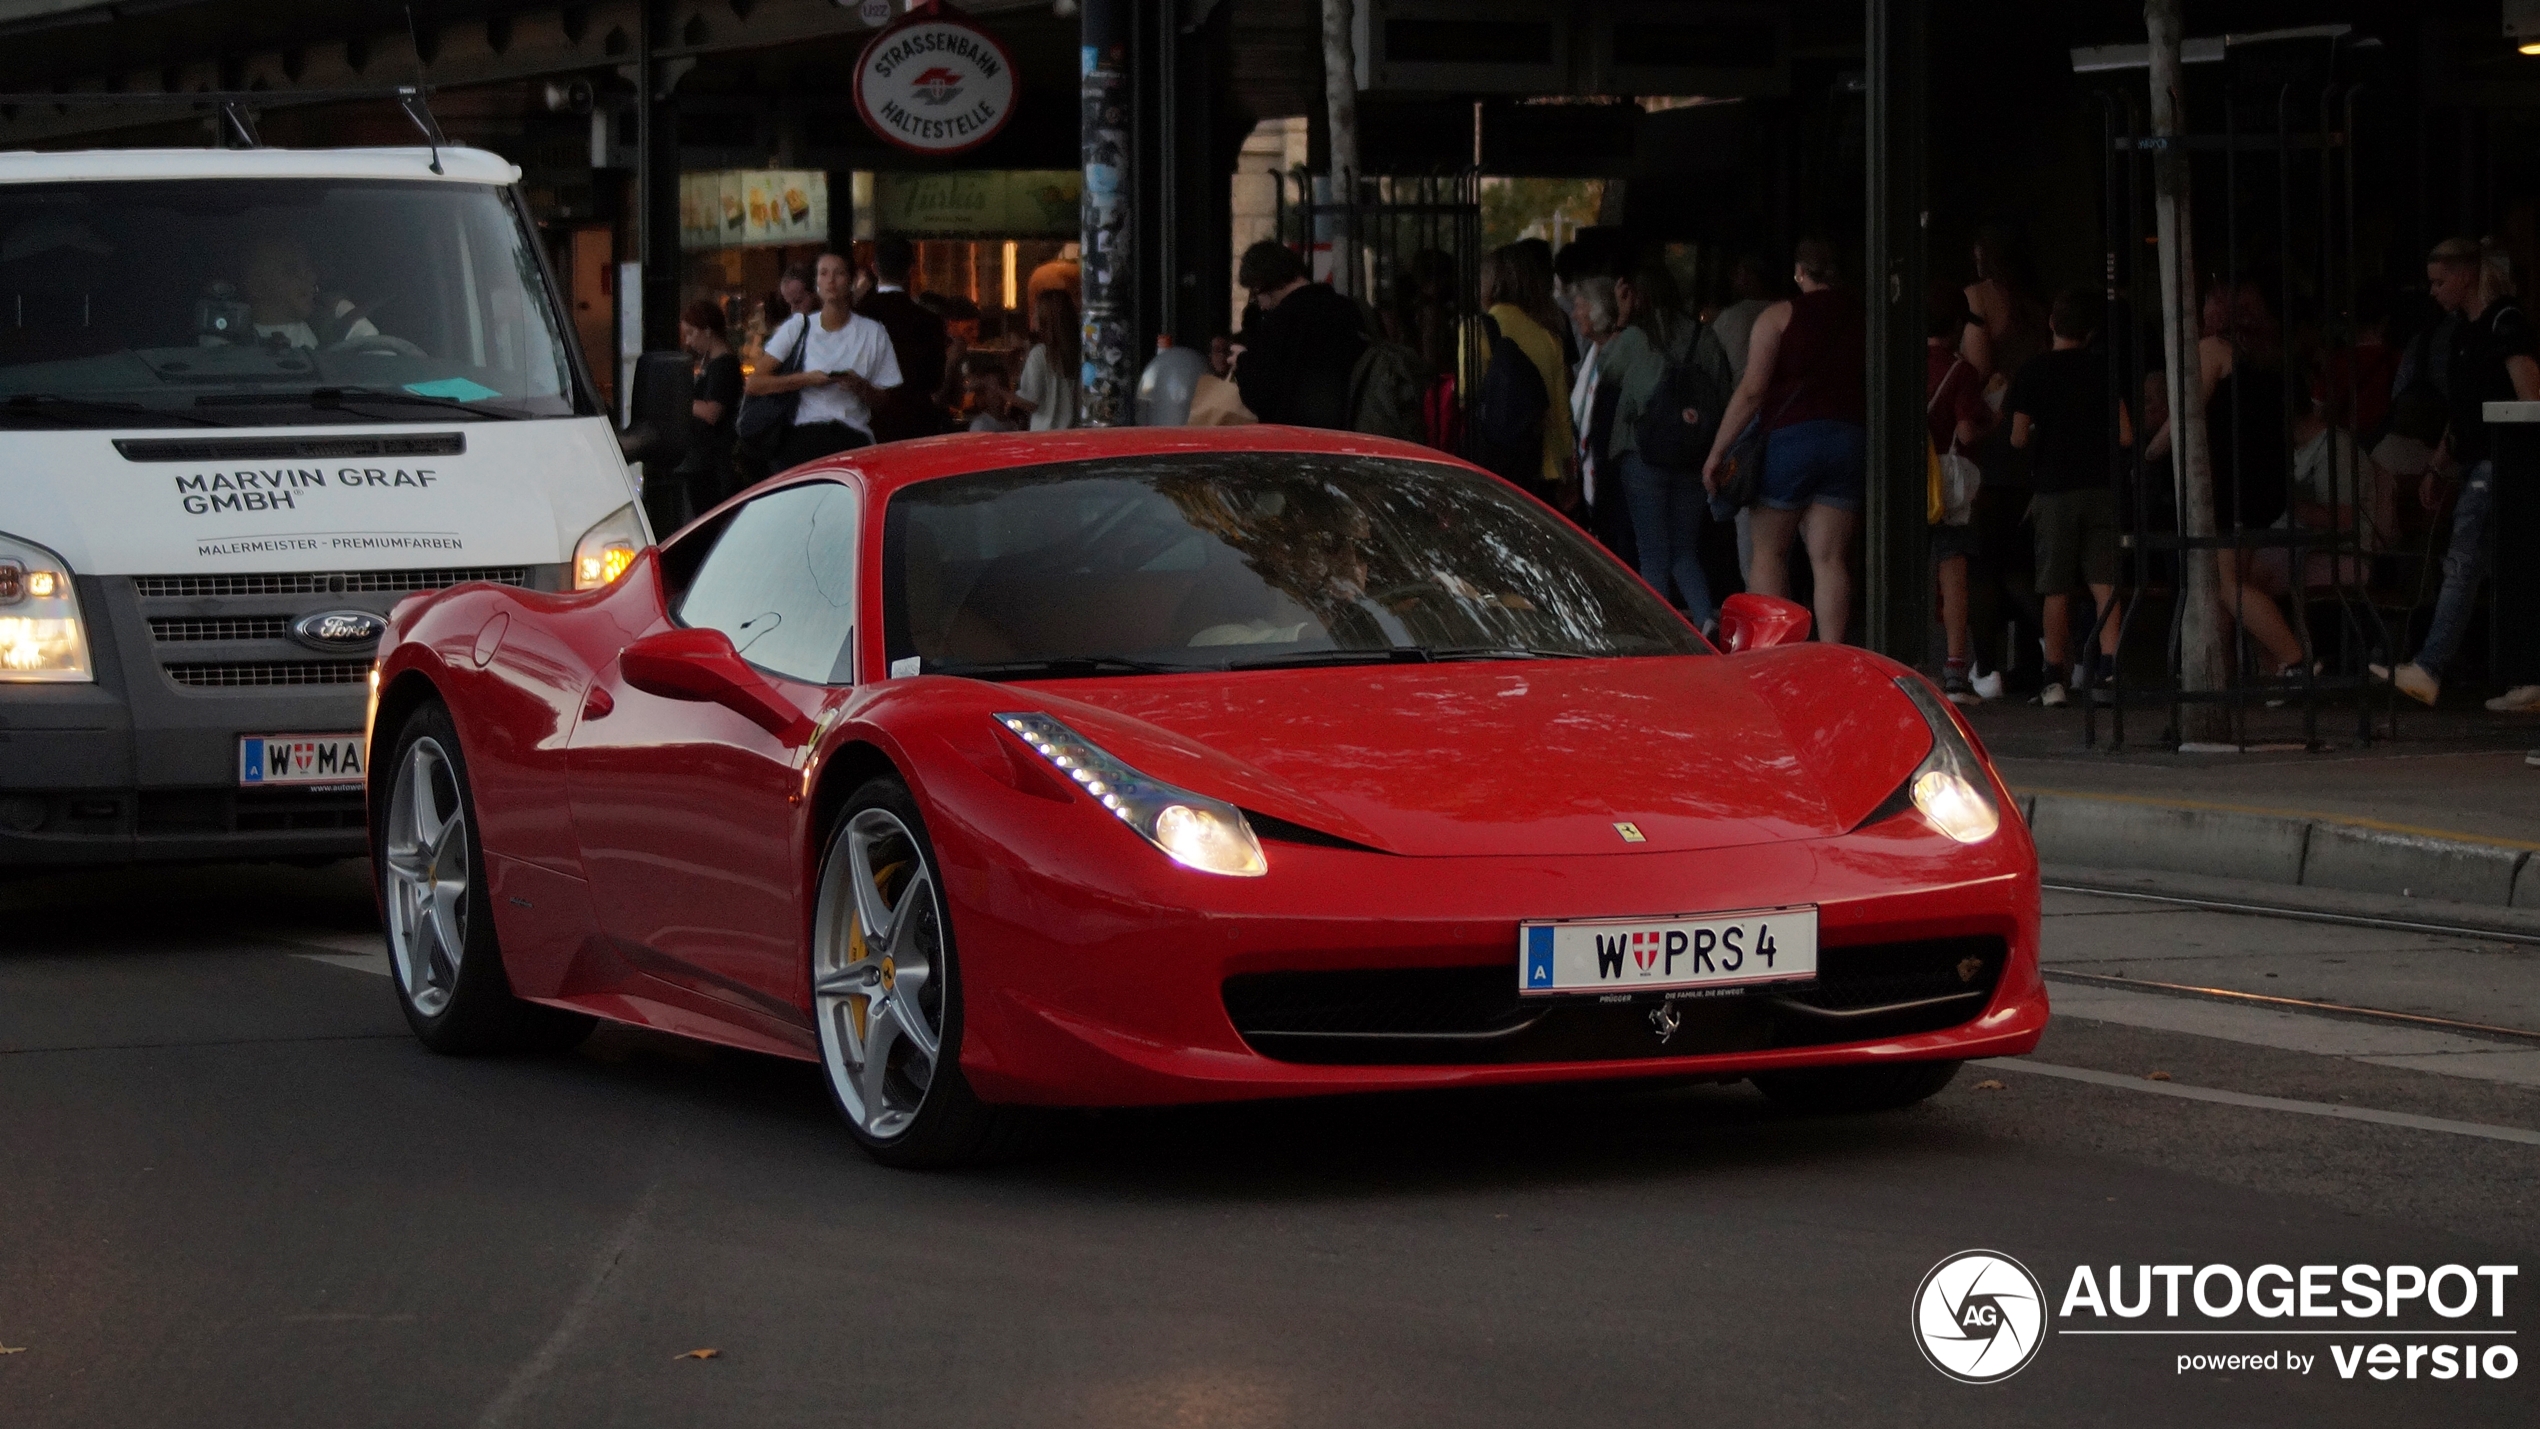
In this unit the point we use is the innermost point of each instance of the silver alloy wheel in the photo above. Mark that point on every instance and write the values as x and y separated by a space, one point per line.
427 876
877 948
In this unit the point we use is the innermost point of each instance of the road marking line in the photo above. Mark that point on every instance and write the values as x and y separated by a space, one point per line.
2247 1099
358 962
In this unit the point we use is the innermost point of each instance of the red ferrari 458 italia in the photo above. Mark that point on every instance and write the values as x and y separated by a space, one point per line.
1139 767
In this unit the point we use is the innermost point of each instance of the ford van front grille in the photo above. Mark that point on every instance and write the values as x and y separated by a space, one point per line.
242 674
165 629
321 582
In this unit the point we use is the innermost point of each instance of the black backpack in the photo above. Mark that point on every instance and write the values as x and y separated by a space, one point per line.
1665 438
1505 429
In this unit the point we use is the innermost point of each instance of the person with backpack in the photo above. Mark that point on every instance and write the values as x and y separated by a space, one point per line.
1656 447
1301 343
1516 428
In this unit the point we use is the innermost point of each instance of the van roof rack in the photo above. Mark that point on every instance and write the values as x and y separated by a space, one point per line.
237 107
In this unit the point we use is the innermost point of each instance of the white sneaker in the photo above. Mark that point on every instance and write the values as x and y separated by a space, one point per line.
2521 699
2532 759
2054 695
2415 681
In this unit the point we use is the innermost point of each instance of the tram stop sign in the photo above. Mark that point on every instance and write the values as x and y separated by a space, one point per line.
935 84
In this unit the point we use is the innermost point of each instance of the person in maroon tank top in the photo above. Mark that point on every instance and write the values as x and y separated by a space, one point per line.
1805 383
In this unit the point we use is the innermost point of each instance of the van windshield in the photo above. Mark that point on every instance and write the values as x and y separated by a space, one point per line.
236 302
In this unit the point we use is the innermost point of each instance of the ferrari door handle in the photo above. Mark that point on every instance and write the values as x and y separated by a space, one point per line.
597 704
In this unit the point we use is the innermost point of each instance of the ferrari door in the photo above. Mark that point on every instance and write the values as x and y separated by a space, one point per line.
681 805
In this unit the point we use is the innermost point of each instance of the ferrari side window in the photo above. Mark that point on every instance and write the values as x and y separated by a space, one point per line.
781 582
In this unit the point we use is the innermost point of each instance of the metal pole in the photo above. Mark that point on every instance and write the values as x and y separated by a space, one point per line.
1111 361
2201 665
657 186
1896 560
1340 97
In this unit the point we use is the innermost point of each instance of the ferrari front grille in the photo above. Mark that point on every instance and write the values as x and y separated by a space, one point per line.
1461 1015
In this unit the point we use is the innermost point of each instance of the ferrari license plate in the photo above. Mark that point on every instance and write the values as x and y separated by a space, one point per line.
265 760
1624 955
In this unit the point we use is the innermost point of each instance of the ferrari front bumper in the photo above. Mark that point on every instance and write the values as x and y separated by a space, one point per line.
1346 971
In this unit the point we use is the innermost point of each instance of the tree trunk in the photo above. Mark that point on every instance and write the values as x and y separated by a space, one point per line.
2202 666
1340 96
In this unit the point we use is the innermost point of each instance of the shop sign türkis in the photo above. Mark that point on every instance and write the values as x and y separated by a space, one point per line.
935 84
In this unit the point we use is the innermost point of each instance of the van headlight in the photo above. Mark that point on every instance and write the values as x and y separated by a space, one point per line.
1949 787
1193 830
41 639
607 549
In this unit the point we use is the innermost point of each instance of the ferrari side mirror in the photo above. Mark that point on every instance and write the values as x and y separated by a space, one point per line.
1760 622
701 665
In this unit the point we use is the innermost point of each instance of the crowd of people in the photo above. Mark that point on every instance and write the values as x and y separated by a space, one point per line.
843 357
1722 445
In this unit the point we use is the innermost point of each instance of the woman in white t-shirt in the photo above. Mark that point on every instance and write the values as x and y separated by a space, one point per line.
1048 388
847 361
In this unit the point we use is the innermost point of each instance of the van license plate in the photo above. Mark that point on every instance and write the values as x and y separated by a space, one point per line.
299 759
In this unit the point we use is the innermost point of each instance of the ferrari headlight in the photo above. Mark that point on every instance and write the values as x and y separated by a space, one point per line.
1194 830
41 639
1949 786
606 550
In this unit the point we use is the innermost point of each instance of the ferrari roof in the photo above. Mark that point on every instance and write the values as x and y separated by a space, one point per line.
896 464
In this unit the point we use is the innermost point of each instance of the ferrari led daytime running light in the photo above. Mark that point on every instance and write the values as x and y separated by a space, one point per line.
1949 786
1193 830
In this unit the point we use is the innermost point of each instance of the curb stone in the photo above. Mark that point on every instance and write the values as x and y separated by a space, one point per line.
2279 848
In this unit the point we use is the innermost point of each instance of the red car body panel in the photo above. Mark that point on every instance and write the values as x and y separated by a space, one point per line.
654 860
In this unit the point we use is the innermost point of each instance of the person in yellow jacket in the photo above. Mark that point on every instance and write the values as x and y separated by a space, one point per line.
1512 294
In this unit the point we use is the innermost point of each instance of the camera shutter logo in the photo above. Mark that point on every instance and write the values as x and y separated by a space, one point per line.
1979 1316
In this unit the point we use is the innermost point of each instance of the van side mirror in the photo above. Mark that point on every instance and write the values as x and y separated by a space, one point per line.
702 666
656 431
1760 622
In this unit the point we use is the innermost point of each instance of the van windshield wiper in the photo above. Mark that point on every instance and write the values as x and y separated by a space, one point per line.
327 397
95 411
1308 659
1061 667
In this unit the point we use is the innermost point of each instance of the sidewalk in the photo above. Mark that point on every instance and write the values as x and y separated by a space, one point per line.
2446 811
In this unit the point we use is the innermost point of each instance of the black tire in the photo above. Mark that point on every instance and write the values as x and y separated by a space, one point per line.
1838 1090
475 1011
948 1125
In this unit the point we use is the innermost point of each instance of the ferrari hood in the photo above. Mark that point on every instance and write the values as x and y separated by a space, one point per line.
1553 757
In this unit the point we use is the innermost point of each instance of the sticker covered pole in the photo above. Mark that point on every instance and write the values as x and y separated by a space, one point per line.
1110 370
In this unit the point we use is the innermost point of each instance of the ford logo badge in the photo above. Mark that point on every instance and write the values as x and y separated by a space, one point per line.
339 630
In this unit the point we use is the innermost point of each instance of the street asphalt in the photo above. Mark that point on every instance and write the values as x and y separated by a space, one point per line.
234 1191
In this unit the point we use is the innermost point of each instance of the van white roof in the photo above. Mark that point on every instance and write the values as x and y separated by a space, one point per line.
458 165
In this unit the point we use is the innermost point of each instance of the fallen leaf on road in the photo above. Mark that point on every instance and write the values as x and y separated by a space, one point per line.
2158 1077
699 1355
1988 1085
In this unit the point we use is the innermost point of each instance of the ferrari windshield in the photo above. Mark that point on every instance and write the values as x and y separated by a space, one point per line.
1247 560
235 301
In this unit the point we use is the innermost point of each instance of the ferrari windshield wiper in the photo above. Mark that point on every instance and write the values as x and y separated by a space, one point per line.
54 407
1307 659
1062 667
1501 652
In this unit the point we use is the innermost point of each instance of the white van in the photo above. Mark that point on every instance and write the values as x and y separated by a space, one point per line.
250 399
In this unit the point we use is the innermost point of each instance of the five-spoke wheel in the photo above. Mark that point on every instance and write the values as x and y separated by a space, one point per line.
885 997
425 865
